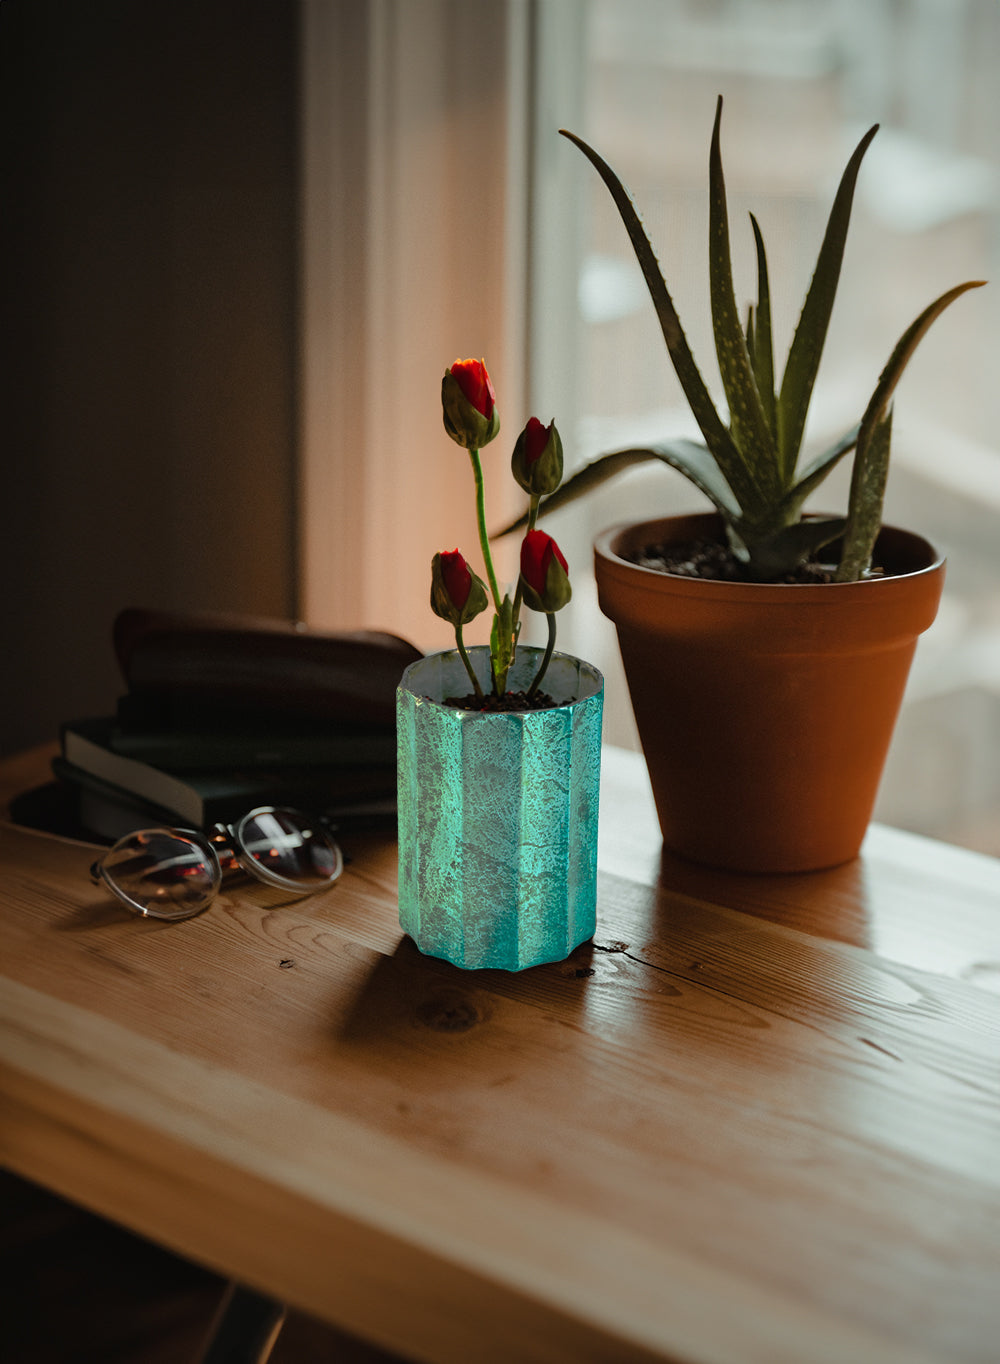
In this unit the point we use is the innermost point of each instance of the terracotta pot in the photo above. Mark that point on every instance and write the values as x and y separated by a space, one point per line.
765 711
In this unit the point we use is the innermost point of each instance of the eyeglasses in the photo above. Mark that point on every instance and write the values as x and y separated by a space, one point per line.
177 873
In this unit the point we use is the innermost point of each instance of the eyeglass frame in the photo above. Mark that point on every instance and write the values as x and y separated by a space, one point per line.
223 840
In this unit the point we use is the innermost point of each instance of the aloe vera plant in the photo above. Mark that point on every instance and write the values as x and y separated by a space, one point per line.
748 465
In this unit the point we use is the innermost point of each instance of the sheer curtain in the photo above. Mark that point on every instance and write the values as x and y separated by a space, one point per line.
414 254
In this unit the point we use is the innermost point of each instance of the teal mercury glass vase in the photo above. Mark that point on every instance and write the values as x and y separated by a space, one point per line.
498 812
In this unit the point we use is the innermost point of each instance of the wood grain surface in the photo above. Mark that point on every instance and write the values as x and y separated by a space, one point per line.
757 1119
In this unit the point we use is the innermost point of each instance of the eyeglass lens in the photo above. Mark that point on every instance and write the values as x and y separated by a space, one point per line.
162 874
288 850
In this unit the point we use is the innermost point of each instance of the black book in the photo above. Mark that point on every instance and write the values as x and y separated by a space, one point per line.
225 713
109 811
200 739
175 663
203 795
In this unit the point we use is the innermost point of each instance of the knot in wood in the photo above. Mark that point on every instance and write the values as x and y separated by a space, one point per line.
451 1010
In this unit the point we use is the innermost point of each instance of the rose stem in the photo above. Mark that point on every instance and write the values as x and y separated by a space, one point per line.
550 616
484 539
465 659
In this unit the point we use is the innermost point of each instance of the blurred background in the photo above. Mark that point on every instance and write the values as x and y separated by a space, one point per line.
242 241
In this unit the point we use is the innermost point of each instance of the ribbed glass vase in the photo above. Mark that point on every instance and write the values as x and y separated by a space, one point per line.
498 813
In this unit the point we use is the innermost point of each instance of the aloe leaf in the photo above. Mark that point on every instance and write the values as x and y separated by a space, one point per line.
591 476
871 461
717 437
810 334
749 426
700 467
900 357
774 556
694 461
871 469
791 504
762 346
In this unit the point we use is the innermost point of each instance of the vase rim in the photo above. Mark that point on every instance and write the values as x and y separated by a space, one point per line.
590 680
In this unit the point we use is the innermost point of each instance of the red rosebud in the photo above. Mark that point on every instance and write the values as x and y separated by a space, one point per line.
536 437
537 460
475 383
544 572
456 576
457 594
469 404
537 550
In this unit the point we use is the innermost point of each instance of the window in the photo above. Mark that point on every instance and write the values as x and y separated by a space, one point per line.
801 80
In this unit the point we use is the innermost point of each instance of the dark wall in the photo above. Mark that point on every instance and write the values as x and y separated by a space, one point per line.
148 271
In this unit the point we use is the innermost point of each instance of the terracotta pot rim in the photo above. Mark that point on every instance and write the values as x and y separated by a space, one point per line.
702 523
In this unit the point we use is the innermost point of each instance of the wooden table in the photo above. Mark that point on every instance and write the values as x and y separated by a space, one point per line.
756 1120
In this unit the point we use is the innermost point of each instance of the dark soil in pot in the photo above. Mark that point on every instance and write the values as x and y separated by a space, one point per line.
714 560
506 704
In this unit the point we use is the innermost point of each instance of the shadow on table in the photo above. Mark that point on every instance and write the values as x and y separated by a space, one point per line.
408 993
832 904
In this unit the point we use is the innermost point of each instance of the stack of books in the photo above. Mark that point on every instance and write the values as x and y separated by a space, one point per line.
223 714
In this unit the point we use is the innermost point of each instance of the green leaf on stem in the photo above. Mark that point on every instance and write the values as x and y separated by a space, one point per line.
502 645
